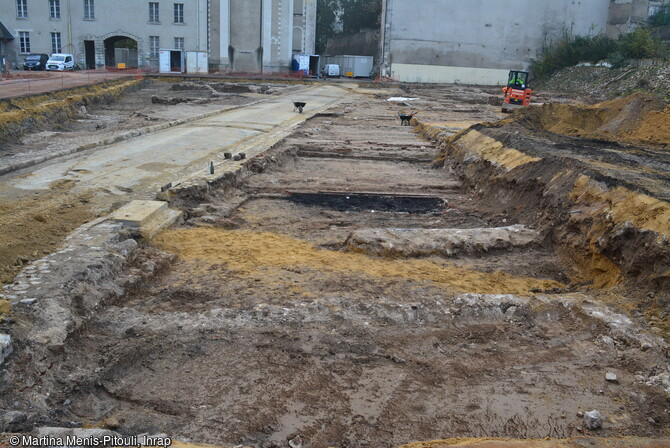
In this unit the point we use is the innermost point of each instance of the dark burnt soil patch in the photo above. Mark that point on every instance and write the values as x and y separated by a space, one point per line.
370 202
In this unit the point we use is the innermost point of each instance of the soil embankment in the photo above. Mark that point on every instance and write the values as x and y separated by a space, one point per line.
636 119
24 114
562 168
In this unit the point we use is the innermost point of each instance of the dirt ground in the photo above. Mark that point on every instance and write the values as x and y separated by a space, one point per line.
30 232
253 323
155 103
595 84
36 224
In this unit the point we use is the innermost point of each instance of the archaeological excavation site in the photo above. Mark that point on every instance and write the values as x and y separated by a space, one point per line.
194 258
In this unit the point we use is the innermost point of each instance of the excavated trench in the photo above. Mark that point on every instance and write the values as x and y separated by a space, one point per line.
307 298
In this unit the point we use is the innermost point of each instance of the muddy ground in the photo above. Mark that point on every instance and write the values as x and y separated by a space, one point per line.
265 327
253 322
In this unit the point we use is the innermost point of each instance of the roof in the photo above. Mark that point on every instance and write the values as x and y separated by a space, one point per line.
4 33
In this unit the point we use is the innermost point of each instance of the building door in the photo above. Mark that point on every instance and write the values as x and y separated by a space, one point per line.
176 64
89 51
128 57
171 61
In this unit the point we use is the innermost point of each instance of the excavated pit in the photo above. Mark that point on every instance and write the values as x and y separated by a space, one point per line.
254 322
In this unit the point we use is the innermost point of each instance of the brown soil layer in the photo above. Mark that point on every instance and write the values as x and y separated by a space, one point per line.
36 224
269 255
20 115
636 119
576 442
600 201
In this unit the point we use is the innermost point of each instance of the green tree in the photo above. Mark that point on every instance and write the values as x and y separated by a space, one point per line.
661 17
360 14
327 12
642 43
335 17
569 50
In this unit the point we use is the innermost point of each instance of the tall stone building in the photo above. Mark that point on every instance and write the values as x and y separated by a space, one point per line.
251 36
260 35
477 43
104 32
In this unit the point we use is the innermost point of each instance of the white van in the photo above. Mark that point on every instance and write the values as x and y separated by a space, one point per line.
60 61
331 70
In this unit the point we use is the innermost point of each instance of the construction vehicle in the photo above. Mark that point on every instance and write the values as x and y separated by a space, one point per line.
517 92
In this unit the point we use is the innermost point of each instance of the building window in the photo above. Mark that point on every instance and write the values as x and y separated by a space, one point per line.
178 13
154 46
55 43
54 9
298 6
24 41
179 43
89 9
22 9
153 12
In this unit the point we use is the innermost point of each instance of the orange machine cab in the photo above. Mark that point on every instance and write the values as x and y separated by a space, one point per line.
517 92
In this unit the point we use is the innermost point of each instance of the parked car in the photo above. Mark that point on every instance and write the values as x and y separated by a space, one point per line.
36 62
61 62
331 70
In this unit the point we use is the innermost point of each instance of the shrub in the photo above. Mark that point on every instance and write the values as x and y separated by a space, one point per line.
642 43
570 50
661 17
617 59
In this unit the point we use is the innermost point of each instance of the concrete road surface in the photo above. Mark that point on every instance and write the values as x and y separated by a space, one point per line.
137 168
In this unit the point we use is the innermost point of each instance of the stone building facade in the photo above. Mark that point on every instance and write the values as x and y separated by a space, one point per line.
260 36
252 36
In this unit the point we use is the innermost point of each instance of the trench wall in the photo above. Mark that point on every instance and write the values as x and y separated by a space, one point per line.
23 114
612 233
